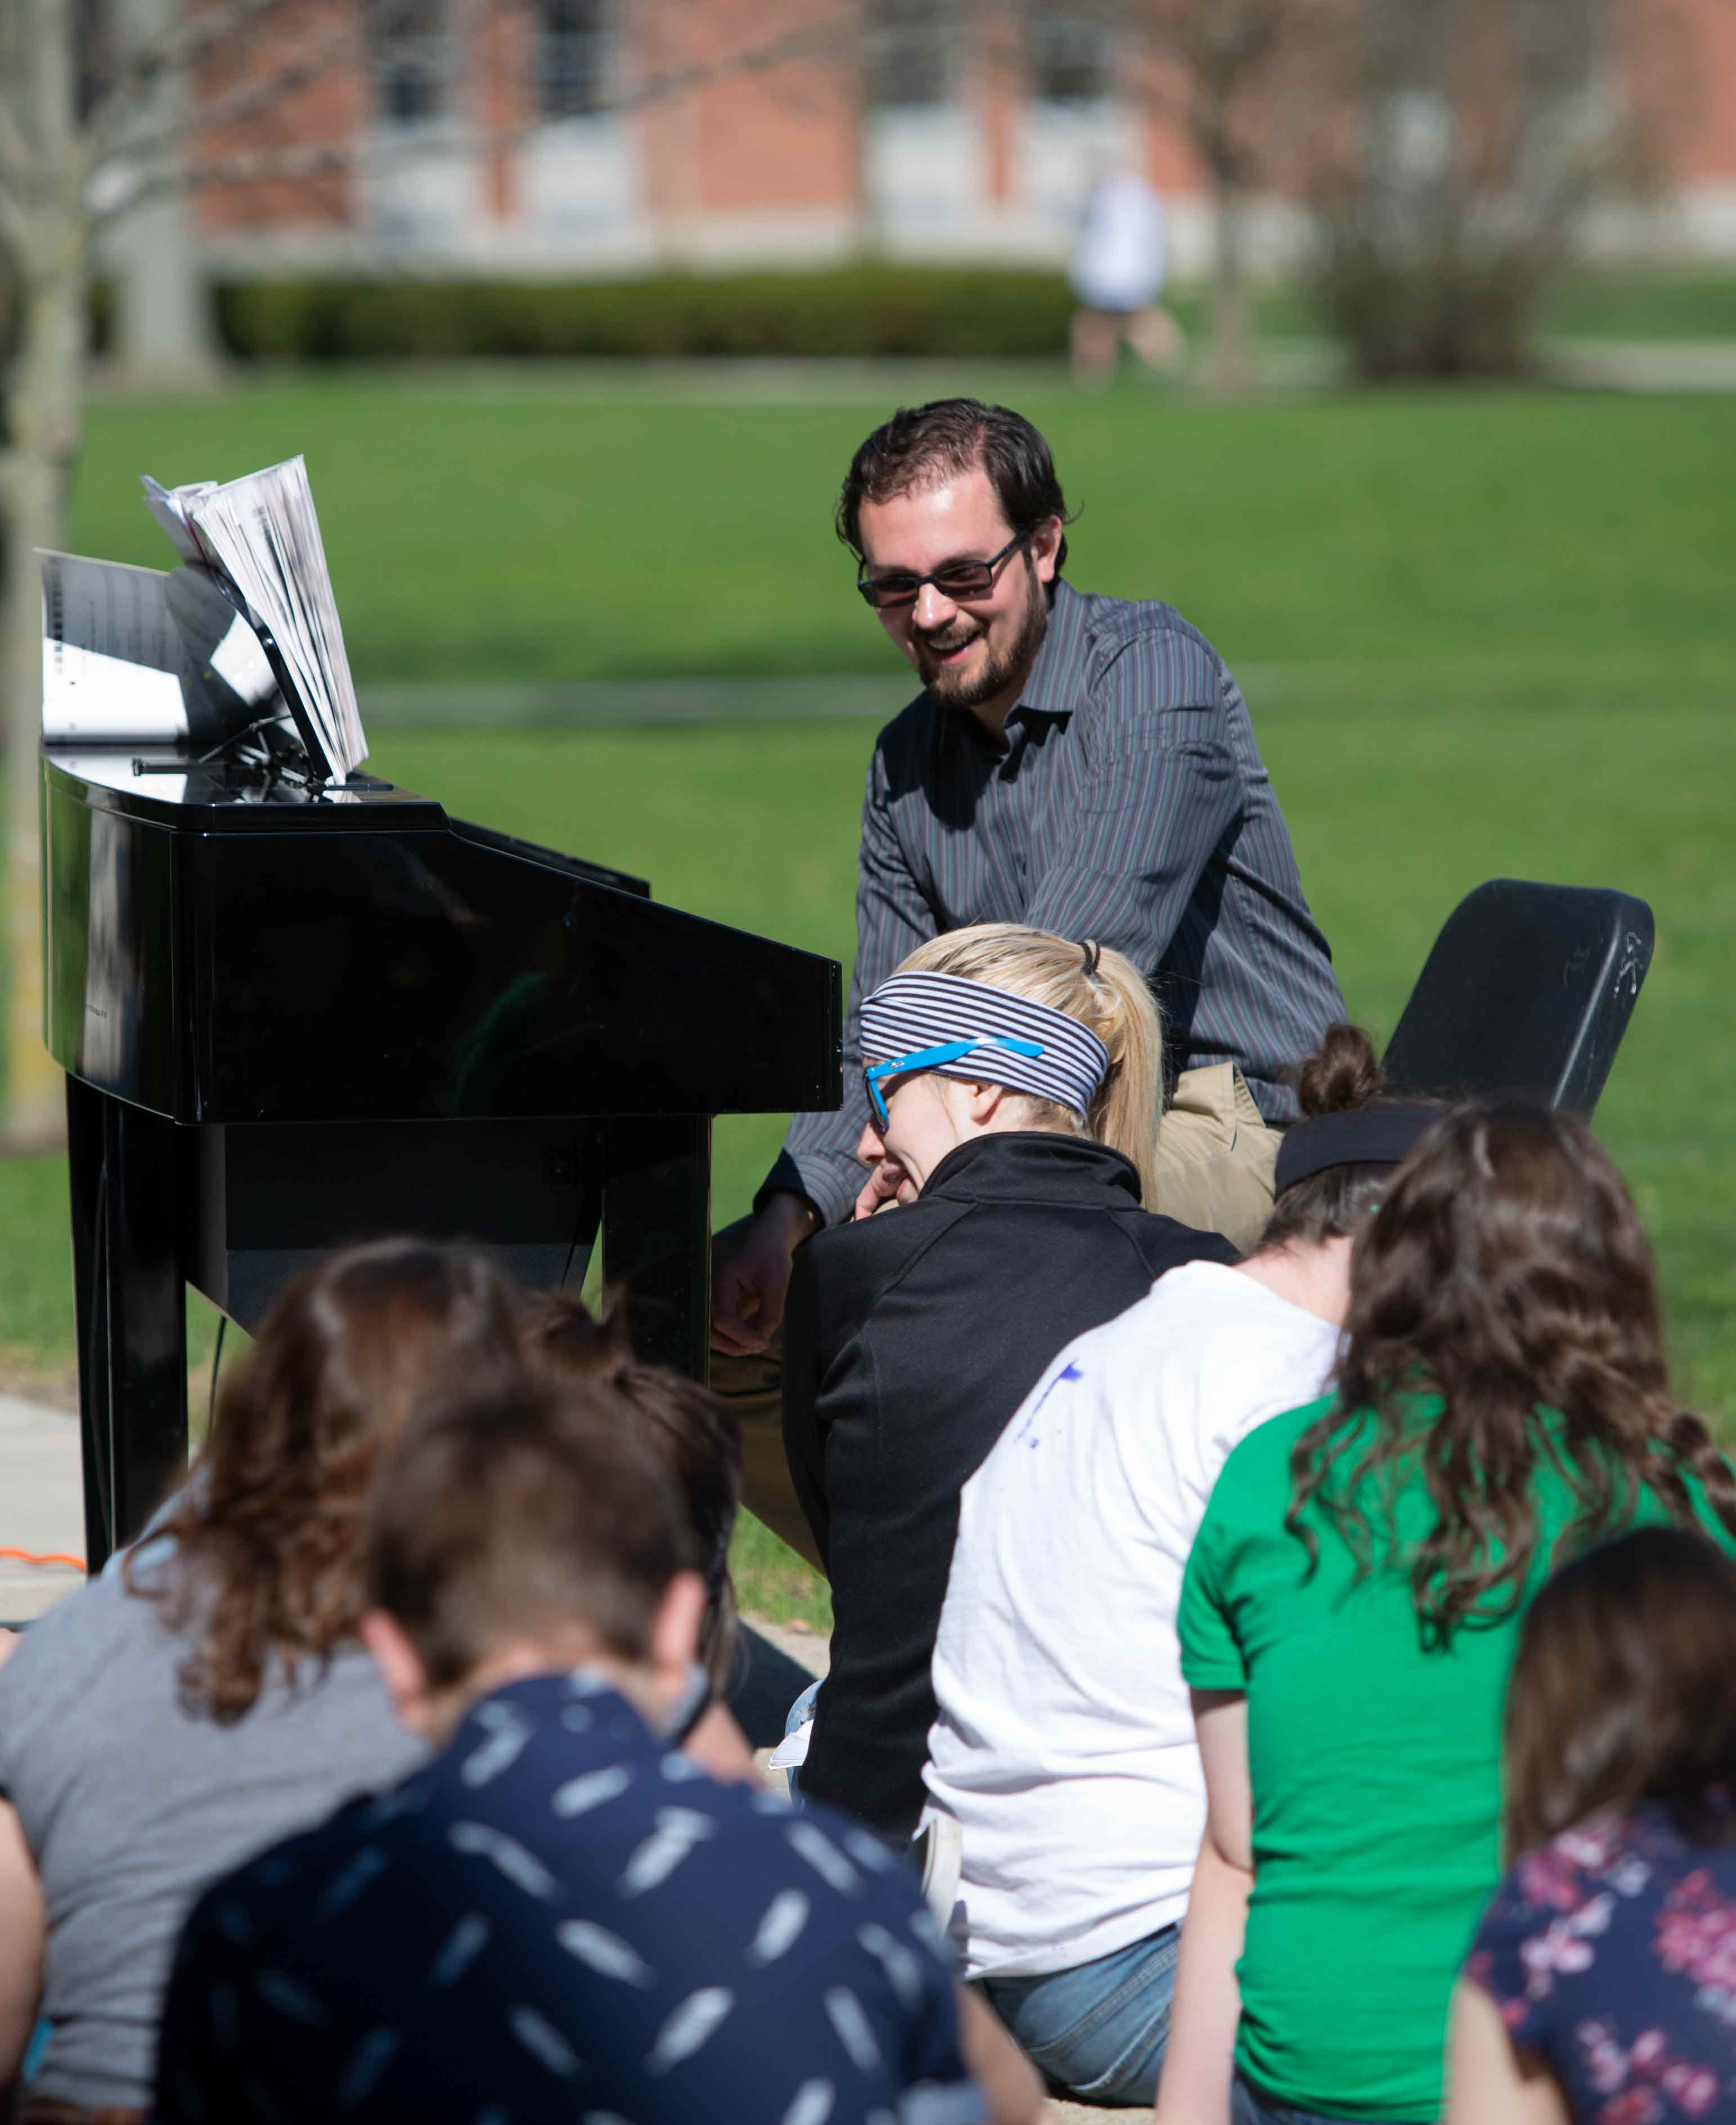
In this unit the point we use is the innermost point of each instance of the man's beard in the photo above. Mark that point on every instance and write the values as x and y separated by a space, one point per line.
998 674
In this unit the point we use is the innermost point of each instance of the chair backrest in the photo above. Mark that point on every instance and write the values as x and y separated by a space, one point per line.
1528 989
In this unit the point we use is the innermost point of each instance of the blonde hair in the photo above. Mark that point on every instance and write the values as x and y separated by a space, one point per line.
1105 992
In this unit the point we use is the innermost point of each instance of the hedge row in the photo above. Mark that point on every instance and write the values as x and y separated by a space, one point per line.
870 309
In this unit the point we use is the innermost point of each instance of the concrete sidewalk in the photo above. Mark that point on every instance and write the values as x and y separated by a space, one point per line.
41 1506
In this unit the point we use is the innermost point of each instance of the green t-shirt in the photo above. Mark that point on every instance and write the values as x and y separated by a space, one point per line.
1375 1768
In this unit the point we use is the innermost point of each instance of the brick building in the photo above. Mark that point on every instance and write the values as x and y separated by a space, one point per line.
601 136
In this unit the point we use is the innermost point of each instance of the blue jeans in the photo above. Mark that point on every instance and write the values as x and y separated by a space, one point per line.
1097 2032
1248 2107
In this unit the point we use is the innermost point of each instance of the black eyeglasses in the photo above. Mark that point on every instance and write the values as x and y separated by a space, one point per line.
959 581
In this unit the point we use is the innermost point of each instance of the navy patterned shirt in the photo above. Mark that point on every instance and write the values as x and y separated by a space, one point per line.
561 1918
1131 804
1611 1952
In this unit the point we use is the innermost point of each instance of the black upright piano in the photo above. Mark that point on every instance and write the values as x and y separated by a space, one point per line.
293 1017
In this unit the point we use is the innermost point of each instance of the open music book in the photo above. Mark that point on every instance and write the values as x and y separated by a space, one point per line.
239 643
259 536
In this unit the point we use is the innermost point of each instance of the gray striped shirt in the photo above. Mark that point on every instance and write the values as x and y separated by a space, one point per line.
1130 804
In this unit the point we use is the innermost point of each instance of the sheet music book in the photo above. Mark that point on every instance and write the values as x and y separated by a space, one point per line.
258 535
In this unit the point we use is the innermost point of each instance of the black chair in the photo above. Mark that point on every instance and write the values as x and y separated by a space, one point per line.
1528 990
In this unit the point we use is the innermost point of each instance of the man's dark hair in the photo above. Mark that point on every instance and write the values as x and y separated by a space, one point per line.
521 1511
921 443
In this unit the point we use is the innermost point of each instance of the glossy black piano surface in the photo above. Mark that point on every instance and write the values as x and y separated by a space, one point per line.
220 956
291 1018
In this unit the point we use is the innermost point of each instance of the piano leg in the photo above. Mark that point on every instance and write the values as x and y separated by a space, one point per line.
131 1313
657 1233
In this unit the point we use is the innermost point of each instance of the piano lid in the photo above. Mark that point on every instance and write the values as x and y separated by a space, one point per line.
171 786
221 950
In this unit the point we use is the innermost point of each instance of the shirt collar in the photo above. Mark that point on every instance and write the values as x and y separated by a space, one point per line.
1051 690
1058 667
1036 1164
534 1701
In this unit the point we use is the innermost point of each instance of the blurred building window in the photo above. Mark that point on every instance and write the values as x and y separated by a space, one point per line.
1068 59
912 54
410 48
575 57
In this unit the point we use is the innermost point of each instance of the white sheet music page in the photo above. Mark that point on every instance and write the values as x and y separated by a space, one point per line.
262 533
111 656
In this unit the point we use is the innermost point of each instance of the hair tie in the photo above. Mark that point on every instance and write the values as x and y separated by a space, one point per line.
1092 952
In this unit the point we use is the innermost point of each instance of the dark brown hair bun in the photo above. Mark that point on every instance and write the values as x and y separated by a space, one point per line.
1341 1074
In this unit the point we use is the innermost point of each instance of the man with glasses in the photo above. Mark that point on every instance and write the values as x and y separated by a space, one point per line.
1076 762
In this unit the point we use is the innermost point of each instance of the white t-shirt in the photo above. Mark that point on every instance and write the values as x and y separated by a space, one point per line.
1064 1746
1118 261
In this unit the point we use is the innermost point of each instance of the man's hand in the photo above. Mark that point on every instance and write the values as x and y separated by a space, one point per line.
749 1286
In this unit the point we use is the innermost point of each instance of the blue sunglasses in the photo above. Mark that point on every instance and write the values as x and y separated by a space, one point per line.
928 1059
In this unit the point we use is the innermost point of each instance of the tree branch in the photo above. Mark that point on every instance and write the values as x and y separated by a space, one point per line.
139 72
14 149
14 227
244 102
301 164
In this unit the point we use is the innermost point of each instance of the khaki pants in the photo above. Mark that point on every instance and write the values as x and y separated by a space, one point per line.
1214 1159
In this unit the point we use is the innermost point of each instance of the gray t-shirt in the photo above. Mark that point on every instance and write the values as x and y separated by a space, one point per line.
132 1806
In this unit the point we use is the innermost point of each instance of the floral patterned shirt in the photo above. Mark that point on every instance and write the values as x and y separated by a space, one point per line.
1612 1953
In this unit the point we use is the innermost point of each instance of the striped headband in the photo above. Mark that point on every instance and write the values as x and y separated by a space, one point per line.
912 1012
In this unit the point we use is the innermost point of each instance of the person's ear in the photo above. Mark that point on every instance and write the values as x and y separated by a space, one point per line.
984 1102
1045 546
674 1628
401 1669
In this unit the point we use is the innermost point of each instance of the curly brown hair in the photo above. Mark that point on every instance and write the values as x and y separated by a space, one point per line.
1507 1272
694 1435
269 1528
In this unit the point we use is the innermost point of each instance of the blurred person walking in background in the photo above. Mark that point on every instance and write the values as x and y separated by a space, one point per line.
1117 272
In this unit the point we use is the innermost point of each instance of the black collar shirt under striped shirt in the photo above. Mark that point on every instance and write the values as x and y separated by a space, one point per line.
1129 803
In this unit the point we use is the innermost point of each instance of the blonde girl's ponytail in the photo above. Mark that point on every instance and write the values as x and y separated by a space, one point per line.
1126 1112
1103 990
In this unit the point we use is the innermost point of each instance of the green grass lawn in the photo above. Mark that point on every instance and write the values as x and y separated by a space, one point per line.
1486 635
1628 303
517 526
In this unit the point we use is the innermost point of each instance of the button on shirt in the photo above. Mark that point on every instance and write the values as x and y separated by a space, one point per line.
1130 803
561 1918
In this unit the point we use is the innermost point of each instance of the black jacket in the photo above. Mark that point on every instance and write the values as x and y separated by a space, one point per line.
909 1339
